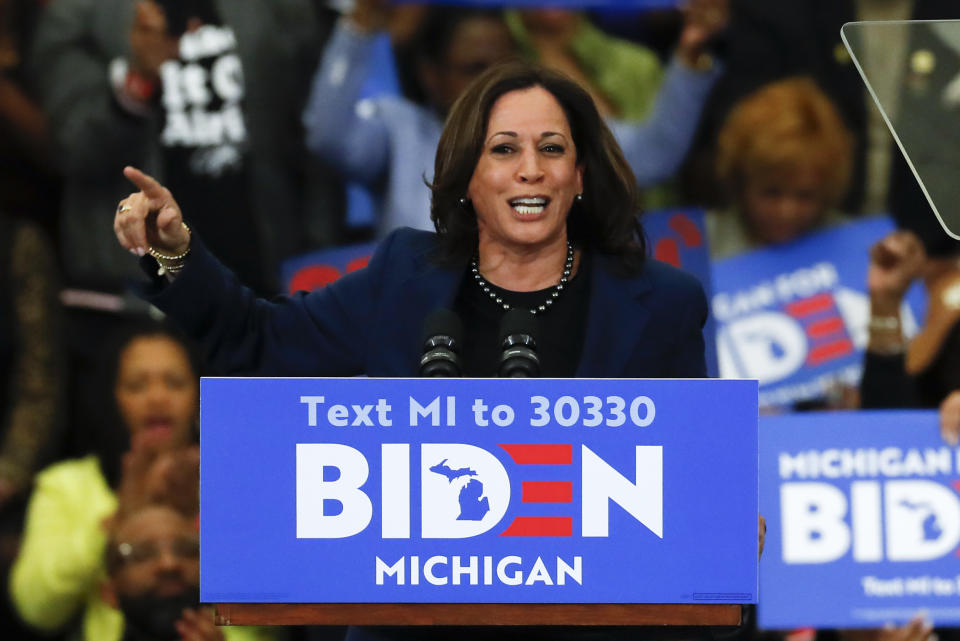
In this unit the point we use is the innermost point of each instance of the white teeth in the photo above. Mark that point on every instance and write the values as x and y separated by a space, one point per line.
521 209
528 206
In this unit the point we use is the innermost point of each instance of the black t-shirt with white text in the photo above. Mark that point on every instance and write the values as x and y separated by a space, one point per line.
205 146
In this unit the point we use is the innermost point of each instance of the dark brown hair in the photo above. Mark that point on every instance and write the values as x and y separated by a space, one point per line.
605 220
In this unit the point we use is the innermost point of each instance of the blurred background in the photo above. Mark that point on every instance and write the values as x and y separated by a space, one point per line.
306 130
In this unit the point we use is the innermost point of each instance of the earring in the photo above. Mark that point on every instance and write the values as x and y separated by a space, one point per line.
463 202
579 198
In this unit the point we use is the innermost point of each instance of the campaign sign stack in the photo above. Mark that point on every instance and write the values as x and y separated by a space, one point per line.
367 490
863 510
795 316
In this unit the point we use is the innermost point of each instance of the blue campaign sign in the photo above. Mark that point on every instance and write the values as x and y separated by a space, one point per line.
320 268
478 491
863 520
679 237
795 316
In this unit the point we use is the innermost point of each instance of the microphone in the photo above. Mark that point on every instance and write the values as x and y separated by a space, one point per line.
518 340
442 337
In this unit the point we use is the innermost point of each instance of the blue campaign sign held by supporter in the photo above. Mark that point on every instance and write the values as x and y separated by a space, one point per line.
795 316
679 237
478 491
863 516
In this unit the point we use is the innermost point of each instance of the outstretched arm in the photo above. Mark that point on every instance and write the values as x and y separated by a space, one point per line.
656 147
315 334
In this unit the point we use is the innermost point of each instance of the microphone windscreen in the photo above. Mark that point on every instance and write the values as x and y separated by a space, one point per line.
519 321
442 322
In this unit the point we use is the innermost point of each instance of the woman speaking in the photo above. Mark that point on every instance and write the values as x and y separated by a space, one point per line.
535 208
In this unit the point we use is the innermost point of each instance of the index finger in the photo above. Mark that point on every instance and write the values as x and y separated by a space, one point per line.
145 183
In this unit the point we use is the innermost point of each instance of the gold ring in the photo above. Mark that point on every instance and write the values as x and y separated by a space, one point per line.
122 209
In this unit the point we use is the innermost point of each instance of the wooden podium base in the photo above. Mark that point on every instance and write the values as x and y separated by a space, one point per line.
646 614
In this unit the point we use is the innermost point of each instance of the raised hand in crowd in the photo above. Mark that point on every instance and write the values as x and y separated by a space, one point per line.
702 21
150 218
154 475
895 262
950 418
174 480
198 625
150 41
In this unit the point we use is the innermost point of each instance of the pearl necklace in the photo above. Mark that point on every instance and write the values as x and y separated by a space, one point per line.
485 286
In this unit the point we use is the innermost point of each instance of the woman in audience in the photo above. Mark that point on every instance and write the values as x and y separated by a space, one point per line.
784 158
154 387
924 372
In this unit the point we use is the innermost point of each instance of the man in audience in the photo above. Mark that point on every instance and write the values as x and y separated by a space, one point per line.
153 578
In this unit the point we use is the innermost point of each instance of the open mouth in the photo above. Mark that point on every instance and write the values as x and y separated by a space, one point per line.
160 425
529 206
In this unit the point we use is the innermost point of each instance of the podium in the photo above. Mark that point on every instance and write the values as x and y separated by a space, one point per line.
478 502
614 614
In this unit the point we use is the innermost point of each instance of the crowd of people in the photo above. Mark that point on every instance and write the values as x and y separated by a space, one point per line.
294 125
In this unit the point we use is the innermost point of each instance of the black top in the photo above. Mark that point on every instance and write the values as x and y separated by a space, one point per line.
562 327
205 144
886 385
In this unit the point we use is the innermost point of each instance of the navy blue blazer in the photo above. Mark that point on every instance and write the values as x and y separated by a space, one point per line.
370 321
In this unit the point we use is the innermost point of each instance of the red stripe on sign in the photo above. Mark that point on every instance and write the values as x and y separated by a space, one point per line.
666 250
825 327
687 229
956 486
547 492
809 306
823 353
539 453
540 526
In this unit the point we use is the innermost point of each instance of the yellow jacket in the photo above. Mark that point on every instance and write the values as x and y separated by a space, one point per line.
57 573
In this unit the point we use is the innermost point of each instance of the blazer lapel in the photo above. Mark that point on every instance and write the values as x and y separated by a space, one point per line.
407 306
615 321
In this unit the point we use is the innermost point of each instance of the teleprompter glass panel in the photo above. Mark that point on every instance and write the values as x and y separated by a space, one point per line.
912 70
